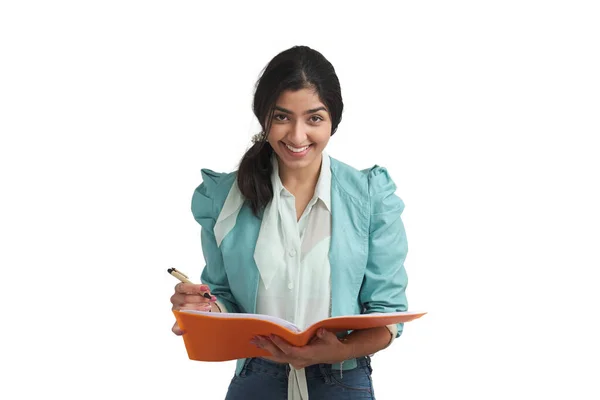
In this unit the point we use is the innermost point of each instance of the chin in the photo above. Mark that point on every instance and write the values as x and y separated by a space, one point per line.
297 165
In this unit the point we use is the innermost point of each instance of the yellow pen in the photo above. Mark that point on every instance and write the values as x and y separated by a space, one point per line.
184 278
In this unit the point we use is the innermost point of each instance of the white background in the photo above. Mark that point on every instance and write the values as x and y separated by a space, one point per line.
484 113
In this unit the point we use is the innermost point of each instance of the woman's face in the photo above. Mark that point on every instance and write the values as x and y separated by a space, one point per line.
300 129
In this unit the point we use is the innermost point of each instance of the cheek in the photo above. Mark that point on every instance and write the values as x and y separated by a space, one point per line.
276 133
322 136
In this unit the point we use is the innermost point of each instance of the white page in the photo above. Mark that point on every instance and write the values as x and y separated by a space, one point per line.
276 320
390 314
287 324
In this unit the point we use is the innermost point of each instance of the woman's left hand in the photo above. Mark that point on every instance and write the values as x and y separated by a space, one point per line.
325 348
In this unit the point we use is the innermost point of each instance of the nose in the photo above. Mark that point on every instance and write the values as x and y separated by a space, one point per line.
297 134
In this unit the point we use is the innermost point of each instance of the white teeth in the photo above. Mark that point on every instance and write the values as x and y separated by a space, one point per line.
295 150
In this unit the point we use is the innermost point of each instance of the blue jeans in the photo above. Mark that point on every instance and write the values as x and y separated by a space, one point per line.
266 380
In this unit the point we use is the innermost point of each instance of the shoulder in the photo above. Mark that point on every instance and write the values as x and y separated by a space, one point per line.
209 196
217 183
364 183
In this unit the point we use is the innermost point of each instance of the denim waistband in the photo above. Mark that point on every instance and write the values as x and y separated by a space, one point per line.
313 371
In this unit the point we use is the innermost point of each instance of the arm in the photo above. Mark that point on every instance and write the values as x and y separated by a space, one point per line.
206 214
364 342
385 280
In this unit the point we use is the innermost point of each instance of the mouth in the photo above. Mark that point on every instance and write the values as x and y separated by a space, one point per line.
297 151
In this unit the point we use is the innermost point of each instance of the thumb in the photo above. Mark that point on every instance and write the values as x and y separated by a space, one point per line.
325 335
177 330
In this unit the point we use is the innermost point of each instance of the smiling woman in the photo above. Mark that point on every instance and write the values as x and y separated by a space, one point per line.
298 102
273 246
301 129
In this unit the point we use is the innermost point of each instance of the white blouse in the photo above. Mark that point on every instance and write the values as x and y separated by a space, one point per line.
293 259
293 255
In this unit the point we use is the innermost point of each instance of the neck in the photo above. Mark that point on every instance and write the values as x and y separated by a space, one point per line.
300 178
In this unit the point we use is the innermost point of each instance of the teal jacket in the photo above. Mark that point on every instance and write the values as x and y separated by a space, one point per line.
367 251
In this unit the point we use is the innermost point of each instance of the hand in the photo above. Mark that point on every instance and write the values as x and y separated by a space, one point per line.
325 348
189 296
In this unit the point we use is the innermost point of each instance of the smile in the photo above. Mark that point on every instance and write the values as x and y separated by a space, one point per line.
297 151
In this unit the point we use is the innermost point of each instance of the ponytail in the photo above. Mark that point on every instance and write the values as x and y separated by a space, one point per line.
254 176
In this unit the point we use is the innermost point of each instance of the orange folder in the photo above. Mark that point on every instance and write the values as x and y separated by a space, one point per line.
226 336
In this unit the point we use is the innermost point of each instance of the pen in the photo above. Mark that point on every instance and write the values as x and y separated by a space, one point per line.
184 278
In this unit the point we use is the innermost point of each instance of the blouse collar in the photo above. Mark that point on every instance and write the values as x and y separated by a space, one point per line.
323 187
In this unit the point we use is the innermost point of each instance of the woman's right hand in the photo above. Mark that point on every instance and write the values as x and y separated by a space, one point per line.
189 296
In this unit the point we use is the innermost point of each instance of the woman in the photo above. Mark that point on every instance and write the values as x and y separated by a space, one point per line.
299 235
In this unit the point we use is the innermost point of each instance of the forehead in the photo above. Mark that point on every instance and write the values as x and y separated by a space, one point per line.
299 100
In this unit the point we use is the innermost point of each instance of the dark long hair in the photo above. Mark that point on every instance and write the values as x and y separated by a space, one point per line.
293 69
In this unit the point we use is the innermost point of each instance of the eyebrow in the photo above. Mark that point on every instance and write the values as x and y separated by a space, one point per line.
312 110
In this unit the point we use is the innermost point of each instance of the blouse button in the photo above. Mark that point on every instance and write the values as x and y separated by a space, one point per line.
292 253
290 285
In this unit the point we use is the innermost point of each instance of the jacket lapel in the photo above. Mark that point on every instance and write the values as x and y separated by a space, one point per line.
349 245
238 257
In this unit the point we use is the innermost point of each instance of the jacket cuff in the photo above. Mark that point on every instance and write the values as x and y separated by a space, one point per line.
393 332
221 306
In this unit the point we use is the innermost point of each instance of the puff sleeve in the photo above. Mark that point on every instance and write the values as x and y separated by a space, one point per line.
385 280
206 213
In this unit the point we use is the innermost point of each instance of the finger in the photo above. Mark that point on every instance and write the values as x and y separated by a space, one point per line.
266 344
195 298
283 345
191 288
327 336
183 294
313 340
177 330
195 306
178 299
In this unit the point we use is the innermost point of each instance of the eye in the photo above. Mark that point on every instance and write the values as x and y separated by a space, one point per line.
316 118
280 117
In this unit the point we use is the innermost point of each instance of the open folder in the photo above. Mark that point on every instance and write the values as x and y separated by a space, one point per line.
212 336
